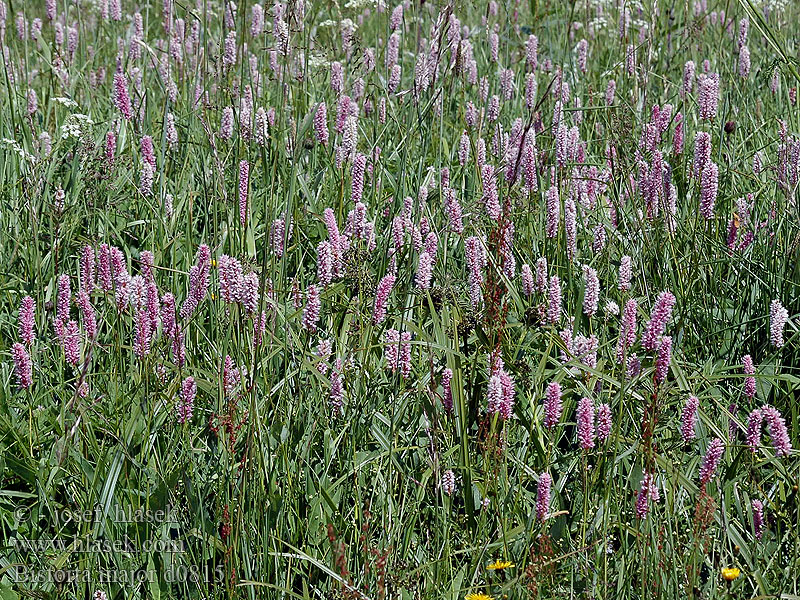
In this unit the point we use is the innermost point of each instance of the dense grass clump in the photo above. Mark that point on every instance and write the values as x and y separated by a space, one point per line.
428 300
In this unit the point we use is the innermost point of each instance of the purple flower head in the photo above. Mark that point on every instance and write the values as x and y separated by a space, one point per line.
648 491
424 271
312 308
778 316
88 317
490 196
554 300
663 358
711 461
321 124
71 343
753 436
122 98
185 406
758 519
381 298
527 280
585 420
627 334
708 95
662 310
552 405
23 366
27 320
64 298
709 186
776 425
447 392
625 272
604 422
543 496
244 185
689 419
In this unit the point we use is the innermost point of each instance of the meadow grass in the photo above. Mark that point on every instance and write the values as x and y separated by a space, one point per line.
348 455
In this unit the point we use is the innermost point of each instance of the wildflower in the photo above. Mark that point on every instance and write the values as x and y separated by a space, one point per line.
585 419
148 152
312 308
776 425
226 123
744 62
357 177
689 419
499 565
64 298
778 316
591 293
122 98
490 198
27 320
398 351
447 395
185 406
448 482
603 422
753 435
709 185
321 124
87 315
229 51
708 95
424 271
711 460
662 310
611 90
23 366
663 358
627 333
730 573
758 518
477 596
554 300
527 280
381 297
244 184
543 496
625 271
552 405
70 342
702 152
648 490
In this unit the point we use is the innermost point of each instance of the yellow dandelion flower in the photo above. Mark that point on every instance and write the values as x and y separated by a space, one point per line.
478 597
730 573
499 565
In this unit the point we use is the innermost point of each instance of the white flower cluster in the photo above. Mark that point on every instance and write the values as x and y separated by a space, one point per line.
359 4
76 126
14 146
68 102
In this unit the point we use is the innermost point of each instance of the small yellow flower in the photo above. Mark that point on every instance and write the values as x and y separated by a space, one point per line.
730 573
478 597
499 565
214 262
